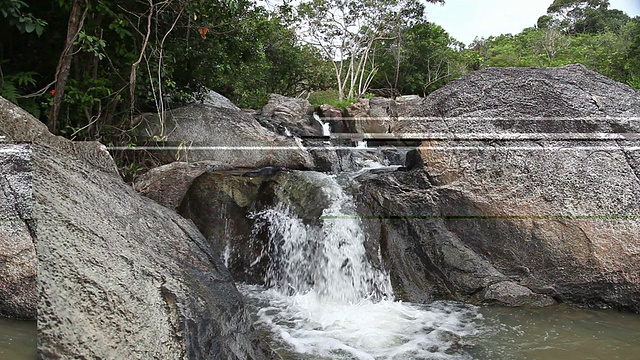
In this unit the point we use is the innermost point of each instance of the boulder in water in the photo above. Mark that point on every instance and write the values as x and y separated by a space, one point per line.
120 276
546 202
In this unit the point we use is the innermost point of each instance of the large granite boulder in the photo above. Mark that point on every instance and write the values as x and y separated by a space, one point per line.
199 132
18 263
120 276
535 181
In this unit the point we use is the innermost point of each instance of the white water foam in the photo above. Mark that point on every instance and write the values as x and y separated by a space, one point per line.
304 326
326 127
326 301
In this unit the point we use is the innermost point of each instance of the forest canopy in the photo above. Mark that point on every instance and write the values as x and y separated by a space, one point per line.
91 69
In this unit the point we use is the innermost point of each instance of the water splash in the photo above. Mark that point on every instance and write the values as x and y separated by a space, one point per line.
326 300
328 259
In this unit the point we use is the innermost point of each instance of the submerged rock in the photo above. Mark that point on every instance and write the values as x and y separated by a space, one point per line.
120 276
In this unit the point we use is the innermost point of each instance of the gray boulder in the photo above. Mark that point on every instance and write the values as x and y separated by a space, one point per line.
548 201
199 132
120 276
167 184
212 98
295 114
18 263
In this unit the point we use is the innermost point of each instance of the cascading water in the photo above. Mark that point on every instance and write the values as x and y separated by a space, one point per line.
328 260
326 301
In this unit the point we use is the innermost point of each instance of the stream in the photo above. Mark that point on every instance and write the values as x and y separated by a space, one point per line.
324 300
17 339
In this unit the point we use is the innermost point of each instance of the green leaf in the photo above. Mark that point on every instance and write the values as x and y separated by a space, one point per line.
39 30
29 27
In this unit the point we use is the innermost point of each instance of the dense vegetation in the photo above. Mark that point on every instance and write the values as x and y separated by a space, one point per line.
90 69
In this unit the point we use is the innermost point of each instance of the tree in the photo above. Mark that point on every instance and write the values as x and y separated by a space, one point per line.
100 64
583 17
347 30
421 59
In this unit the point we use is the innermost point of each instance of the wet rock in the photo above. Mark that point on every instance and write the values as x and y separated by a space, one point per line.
167 184
18 263
508 293
333 116
219 204
120 276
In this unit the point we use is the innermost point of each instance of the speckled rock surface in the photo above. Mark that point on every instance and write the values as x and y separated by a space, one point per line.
18 263
533 174
120 276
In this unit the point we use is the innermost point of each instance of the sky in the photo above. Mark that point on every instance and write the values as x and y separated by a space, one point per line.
466 19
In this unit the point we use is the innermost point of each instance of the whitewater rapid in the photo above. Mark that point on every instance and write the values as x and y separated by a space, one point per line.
324 299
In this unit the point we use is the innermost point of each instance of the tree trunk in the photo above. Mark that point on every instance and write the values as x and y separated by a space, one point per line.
74 26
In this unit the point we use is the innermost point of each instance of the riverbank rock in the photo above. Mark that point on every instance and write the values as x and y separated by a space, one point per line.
120 276
294 114
219 203
18 262
549 200
167 184
199 132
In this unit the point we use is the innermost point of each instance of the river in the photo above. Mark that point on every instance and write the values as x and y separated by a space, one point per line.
17 339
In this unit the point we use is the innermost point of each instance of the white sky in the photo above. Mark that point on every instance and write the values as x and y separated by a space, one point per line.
466 19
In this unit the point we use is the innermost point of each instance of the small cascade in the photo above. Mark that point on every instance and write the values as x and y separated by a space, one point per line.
328 259
297 140
227 244
325 300
326 130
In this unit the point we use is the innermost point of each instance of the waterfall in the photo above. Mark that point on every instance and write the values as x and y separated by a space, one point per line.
329 258
326 130
325 300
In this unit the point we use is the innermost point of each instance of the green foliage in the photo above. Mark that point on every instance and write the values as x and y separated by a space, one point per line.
24 22
608 48
236 48
91 44
421 59
330 97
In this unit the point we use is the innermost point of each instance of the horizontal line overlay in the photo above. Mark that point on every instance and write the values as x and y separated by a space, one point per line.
350 148
445 217
453 119
490 136
483 217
